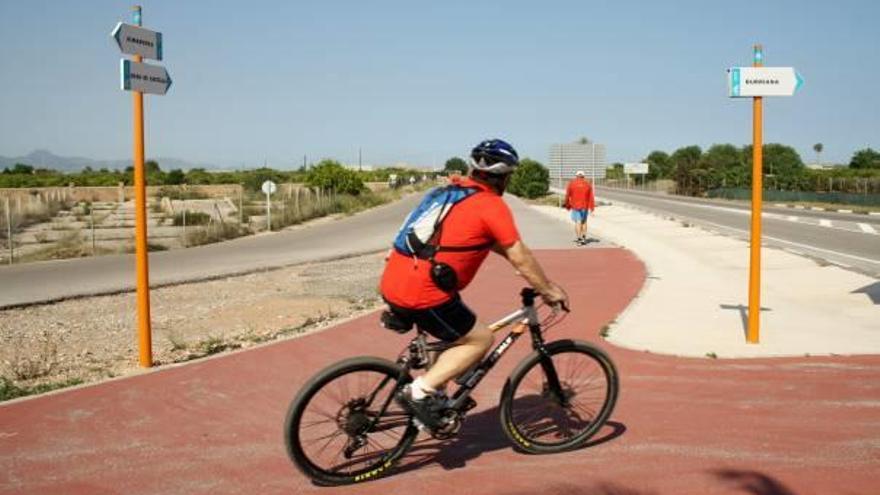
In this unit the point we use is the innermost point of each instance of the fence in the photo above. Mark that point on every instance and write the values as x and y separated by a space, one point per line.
864 199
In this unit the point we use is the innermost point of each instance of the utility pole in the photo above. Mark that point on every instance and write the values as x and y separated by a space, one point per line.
9 229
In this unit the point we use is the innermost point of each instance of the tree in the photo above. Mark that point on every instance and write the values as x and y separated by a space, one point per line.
21 168
865 159
722 165
686 160
329 174
175 177
615 172
781 162
659 165
530 179
818 149
456 164
201 176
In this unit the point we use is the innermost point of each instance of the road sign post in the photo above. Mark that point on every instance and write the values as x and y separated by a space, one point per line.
269 189
756 82
140 78
144 78
753 336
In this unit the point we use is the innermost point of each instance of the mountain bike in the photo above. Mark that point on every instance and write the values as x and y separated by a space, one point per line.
344 425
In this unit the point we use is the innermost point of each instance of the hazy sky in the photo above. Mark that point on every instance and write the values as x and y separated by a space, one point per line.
421 81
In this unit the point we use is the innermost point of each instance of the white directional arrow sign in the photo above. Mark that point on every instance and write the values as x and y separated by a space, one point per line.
145 78
762 81
135 40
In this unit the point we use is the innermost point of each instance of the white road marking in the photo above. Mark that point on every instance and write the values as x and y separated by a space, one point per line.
792 218
816 208
806 247
824 223
867 228
844 211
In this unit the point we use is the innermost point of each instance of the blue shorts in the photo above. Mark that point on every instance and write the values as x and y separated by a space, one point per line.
579 216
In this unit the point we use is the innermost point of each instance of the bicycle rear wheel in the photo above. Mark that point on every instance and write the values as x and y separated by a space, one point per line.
539 417
344 426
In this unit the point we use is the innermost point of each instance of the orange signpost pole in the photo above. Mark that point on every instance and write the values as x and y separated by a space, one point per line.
140 208
757 189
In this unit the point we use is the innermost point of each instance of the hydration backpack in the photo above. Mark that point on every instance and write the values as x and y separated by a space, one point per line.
419 236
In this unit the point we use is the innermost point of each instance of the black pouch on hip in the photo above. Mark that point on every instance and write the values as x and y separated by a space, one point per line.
443 276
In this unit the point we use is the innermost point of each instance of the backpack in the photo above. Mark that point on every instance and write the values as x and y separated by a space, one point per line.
419 236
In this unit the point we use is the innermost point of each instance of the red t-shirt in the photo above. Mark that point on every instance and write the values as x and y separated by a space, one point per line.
579 195
480 219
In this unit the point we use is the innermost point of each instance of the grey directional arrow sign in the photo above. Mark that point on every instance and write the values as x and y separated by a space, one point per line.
146 78
135 40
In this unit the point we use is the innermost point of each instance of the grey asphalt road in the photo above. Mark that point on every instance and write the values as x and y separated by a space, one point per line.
845 239
369 231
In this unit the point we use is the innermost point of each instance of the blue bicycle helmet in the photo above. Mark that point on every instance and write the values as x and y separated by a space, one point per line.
494 156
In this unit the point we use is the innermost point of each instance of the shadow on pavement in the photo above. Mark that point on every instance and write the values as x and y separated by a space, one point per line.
752 482
480 433
597 489
743 314
872 290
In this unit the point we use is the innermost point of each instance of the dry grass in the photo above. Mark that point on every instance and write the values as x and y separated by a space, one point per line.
37 362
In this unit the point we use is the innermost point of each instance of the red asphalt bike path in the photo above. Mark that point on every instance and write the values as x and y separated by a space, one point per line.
682 426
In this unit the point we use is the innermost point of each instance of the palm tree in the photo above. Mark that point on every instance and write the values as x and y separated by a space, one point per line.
818 149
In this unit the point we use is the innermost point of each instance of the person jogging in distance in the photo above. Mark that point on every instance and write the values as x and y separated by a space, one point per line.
580 200
421 286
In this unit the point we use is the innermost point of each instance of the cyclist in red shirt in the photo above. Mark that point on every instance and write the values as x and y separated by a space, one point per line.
579 199
483 221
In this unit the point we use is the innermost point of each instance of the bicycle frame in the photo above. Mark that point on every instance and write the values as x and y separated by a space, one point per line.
525 317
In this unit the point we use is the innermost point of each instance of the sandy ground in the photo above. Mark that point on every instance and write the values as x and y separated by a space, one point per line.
95 338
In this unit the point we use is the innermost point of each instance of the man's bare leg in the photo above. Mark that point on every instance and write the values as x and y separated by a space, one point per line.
456 360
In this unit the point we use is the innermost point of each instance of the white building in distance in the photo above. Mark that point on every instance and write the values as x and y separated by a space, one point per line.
568 158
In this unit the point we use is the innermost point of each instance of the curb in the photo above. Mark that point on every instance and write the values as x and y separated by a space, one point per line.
833 210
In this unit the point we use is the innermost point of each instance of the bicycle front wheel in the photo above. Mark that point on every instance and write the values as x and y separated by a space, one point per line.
557 402
344 426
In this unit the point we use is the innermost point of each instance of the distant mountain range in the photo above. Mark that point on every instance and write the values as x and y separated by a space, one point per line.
47 159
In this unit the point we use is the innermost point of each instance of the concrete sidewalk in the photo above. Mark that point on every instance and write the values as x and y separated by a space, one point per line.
695 299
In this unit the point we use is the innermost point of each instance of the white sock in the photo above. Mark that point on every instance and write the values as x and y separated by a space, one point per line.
420 389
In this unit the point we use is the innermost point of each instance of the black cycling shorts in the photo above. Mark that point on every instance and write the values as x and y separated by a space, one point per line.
448 322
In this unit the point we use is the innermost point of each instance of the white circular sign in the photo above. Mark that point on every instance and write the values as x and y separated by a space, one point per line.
269 187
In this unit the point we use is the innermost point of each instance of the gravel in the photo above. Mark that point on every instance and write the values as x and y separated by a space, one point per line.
92 339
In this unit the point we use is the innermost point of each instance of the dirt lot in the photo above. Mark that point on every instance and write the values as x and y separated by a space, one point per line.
87 340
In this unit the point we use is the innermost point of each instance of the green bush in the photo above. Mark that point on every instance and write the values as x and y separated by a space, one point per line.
192 218
330 175
456 164
530 179
176 192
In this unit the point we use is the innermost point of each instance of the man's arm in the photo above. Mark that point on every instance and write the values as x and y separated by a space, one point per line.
521 257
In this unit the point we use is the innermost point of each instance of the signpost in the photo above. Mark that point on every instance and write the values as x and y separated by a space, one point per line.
145 78
269 189
140 78
135 40
756 82
634 169
745 82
